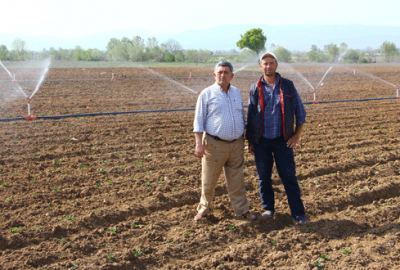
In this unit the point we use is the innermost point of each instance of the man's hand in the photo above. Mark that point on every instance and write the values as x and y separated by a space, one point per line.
199 151
293 141
251 147
295 138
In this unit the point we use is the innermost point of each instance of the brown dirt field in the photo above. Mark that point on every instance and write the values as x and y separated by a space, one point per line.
120 191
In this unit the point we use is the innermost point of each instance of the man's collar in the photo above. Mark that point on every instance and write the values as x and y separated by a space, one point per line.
220 87
278 77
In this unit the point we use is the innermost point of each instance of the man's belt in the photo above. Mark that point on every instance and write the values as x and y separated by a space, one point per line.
219 139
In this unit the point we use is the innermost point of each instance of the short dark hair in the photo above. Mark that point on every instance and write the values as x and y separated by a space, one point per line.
224 63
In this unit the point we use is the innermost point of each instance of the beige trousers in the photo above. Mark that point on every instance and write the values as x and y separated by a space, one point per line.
228 156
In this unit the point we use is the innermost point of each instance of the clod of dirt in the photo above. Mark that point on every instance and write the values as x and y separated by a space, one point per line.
85 192
159 196
180 172
279 255
128 255
56 230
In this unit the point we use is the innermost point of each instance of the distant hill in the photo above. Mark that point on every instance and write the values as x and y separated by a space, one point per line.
293 37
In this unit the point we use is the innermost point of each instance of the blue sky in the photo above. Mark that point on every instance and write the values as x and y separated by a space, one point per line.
74 18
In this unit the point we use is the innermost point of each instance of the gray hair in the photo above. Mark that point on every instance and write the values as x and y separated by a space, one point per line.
223 63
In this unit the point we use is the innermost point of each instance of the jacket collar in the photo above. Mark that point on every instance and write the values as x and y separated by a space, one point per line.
278 78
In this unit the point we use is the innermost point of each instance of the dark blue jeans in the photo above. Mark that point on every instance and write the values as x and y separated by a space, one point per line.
265 152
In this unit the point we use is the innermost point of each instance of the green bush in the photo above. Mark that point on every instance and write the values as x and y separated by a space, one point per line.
283 54
362 61
180 57
170 57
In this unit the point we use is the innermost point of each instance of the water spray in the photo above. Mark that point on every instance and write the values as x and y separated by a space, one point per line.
6 69
326 73
314 88
374 77
240 69
41 79
301 76
171 80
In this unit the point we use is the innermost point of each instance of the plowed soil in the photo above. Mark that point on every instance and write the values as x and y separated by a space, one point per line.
120 191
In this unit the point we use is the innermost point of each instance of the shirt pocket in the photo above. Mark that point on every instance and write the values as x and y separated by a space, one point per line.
237 105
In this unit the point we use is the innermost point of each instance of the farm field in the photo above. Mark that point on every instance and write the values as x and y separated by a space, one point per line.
120 191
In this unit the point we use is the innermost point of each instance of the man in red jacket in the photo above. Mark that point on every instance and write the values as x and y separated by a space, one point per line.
274 105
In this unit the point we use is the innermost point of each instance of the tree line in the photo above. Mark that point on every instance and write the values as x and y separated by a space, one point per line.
252 43
255 39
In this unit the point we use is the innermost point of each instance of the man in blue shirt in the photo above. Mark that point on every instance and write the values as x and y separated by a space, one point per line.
274 105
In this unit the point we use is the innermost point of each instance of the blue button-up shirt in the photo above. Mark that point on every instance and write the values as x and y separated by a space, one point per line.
273 127
220 114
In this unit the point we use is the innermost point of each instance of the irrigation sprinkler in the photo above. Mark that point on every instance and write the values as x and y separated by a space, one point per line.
315 100
253 74
112 77
29 116
40 81
190 75
354 73
397 91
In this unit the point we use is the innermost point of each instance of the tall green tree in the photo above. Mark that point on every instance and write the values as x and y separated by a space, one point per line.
136 49
254 39
54 54
370 54
78 53
19 47
333 50
172 46
203 55
118 48
352 56
153 50
316 55
112 44
3 52
388 50
192 56
180 57
314 48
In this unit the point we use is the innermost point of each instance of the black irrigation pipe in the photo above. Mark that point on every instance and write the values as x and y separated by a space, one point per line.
173 78
93 114
169 110
350 100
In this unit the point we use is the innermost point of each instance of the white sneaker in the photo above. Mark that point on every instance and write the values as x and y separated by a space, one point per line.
268 214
